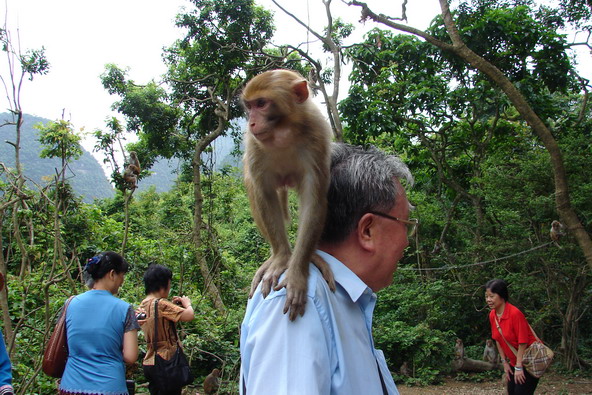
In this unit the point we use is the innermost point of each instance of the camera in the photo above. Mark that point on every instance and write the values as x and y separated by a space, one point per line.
141 316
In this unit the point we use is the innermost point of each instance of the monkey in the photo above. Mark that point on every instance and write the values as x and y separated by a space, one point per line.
459 350
287 145
556 232
437 247
212 382
132 171
490 352
404 369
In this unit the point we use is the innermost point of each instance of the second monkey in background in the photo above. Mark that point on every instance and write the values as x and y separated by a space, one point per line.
287 145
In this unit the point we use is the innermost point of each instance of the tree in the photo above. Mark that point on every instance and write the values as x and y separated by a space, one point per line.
459 48
222 47
472 134
319 76
20 65
60 141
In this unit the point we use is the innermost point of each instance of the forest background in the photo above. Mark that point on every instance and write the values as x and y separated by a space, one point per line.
486 106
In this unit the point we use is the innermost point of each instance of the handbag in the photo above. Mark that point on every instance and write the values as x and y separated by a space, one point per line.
536 358
56 349
171 374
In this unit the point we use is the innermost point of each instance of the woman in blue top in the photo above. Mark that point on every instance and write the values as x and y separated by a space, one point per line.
101 331
5 365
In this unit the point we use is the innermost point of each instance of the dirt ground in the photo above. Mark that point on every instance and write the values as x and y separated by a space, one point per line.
550 384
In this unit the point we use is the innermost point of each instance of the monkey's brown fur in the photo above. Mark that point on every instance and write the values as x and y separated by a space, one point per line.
132 171
212 382
287 145
490 352
557 231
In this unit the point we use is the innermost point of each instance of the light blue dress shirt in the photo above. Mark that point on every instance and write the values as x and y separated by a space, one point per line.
329 350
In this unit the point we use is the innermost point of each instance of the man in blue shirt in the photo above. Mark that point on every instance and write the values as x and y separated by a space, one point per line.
330 350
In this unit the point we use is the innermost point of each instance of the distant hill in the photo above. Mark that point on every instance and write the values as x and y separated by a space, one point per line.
85 174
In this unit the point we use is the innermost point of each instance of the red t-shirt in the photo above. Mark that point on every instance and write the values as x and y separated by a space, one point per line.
515 329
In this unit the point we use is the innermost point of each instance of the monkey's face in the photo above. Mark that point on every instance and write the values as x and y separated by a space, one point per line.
263 117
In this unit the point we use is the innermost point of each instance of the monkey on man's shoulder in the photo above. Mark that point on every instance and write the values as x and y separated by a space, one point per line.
287 145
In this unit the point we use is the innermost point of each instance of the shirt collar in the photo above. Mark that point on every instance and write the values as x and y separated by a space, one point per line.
350 282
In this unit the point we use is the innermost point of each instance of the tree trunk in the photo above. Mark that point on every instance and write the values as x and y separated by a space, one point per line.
4 293
208 279
473 365
201 145
127 197
570 322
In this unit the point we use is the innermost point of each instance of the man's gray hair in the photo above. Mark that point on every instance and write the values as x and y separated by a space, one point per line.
362 180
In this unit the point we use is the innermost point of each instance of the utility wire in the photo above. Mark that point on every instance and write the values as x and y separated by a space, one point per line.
449 267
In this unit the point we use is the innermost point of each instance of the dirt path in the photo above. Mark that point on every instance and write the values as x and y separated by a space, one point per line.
550 384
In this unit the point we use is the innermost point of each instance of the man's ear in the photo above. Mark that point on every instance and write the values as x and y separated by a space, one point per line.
366 231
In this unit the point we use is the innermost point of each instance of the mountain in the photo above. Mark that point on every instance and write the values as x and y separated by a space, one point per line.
163 175
85 174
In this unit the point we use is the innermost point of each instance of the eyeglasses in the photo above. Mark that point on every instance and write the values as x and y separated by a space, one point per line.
411 223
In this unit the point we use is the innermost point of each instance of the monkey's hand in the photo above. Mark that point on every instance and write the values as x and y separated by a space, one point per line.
269 274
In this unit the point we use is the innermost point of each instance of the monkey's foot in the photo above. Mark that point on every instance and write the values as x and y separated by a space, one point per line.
268 275
296 283
325 270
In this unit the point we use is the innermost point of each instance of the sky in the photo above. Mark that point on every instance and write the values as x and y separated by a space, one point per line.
80 37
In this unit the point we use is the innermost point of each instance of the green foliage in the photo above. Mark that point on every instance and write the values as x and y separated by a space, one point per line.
30 61
484 193
484 190
59 140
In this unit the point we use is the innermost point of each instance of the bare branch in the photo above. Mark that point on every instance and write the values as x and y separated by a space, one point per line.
381 18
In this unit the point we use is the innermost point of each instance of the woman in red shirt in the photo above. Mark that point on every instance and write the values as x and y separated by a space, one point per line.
516 331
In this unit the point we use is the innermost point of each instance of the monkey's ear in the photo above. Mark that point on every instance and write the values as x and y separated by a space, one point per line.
301 90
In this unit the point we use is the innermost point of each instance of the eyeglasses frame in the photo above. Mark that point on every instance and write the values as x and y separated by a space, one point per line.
410 221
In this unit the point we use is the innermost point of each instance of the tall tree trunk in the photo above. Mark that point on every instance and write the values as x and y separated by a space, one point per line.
4 293
201 145
211 289
571 315
127 197
562 200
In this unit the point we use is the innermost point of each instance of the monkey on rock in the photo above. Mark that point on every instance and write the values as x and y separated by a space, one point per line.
287 145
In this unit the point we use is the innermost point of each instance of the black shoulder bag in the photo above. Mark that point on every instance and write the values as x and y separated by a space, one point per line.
167 375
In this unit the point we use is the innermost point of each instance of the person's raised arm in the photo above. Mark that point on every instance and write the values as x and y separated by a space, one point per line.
188 314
